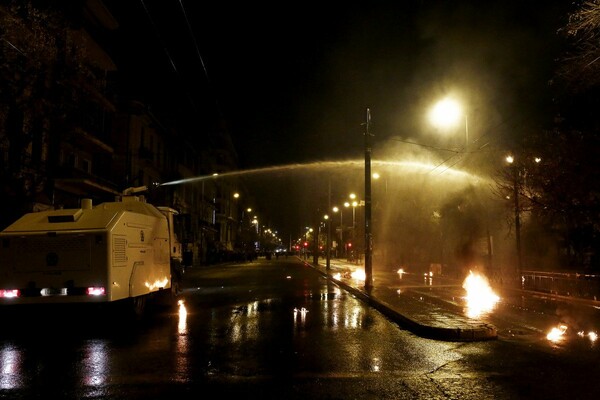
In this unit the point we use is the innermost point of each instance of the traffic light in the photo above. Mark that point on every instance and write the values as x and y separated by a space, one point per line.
305 244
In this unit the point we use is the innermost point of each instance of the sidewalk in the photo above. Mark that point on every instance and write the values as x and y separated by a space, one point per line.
413 309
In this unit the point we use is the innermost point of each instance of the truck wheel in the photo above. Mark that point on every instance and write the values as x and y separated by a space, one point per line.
175 287
177 271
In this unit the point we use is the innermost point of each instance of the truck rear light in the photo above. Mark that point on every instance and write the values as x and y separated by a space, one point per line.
96 291
9 293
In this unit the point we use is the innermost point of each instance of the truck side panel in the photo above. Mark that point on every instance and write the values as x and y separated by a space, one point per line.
146 268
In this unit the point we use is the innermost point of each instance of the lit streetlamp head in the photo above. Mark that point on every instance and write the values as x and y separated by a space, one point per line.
446 113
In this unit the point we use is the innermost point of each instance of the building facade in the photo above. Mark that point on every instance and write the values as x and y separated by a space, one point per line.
66 134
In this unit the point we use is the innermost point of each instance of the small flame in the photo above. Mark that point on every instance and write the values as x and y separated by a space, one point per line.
593 336
358 275
480 296
556 334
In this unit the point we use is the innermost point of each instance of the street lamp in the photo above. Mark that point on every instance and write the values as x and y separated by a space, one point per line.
447 113
353 204
328 244
520 185
511 161
368 234
377 176
336 209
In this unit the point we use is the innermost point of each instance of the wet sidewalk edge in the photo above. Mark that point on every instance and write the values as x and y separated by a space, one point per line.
456 331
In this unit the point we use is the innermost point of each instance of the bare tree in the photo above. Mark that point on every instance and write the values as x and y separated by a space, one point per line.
580 65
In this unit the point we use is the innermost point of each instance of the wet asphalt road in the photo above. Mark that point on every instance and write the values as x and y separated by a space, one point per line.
271 329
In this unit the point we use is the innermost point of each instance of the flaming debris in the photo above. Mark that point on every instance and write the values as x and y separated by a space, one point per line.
480 297
556 334
593 336
358 275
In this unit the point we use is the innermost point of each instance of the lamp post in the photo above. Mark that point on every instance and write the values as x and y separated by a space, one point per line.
328 246
335 210
368 236
354 203
511 160
328 255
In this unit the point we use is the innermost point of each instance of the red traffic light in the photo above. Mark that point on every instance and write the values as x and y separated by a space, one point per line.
305 244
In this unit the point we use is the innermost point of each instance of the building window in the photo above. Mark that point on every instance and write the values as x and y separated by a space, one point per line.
86 165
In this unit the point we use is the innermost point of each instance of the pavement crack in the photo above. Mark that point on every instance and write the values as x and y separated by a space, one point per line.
433 371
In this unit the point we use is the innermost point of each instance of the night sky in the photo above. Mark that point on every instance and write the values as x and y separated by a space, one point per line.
292 80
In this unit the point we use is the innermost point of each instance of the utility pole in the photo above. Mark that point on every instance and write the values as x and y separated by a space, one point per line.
316 231
368 235
517 222
328 255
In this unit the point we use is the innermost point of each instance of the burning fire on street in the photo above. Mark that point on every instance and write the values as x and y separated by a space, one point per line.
558 334
357 275
593 336
480 297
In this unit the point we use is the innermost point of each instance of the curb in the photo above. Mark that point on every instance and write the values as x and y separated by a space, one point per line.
467 333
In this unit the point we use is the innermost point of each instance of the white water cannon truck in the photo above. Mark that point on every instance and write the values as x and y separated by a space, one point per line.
123 252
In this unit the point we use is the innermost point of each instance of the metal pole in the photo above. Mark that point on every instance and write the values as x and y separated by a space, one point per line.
466 132
341 226
368 236
316 232
517 223
328 254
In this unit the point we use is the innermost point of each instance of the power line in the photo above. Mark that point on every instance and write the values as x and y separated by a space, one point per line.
191 33
159 37
166 50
